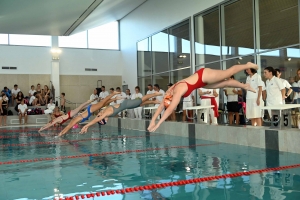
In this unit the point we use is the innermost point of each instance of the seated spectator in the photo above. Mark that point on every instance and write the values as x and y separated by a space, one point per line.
31 91
46 93
63 102
19 98
38 88
22 111
94 97
33 100
3 108
7 92
103 94
50 104
14 93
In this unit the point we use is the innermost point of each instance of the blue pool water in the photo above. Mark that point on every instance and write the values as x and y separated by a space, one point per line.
195 158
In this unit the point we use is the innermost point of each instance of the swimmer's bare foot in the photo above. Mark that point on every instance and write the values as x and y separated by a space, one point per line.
156 102
249 88
252 65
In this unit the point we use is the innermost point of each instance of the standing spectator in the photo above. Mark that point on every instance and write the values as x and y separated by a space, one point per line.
14 93
63 102
138 110
150 90
130 112
213 96
31 91
94 97
3 108
7 92
111 90
19 98
103 93
298 85
293 82
232 103
122 96
159 98
22 111
274 87
286 85
254 100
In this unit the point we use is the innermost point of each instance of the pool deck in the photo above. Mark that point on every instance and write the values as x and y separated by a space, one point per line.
285 140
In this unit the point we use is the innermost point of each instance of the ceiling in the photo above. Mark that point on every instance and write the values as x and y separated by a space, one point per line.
60 17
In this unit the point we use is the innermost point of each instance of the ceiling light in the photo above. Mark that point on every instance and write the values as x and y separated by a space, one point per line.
289 59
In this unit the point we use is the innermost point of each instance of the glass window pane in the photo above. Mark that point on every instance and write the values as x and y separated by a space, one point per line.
104 37
207 38
143 83
180 74
3 38
162 80
279 24
144 57
30 40
238 33
78 40
160 49
179 37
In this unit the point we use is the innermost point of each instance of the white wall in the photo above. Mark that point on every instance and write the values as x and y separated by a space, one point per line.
149 18
37 60
28 60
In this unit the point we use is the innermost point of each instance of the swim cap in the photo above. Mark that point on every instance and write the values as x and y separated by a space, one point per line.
167 100
75 126
104 122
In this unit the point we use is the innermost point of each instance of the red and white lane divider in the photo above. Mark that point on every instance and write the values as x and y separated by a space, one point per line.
175 183
98 154
73 141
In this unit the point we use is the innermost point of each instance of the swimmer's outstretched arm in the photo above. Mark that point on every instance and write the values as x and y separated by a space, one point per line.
52 122
70 125
94 121
174 103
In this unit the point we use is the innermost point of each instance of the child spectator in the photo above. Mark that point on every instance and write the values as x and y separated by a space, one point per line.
62 102
22 111
31 91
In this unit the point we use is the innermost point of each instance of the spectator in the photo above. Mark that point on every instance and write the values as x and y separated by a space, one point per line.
51 105
46 93
294 83
159 98
7 92
150 90
232 103
14 93
138 110
130 112
3 107
94 97
103 93
63 102
275 88
122 96
213 96
31 91
111 90
286 85
254 100
22 111
19 98
33 101
38 88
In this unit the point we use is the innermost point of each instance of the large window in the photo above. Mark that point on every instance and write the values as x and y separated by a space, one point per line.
78 40
160 52
104 37
3 38
30 40
144 57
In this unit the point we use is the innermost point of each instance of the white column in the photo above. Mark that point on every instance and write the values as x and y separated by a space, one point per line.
55 71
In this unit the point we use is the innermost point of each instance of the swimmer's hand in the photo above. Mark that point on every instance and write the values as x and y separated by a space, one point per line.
84 129
151 126
152 129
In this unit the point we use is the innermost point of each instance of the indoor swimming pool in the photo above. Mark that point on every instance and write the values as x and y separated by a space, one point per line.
112 161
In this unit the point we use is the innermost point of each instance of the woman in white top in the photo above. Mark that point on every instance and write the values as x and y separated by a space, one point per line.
130 113
274 87
285 83
232 103
138 110
254 100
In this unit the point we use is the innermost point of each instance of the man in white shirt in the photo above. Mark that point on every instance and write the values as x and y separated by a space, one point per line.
14 93
206 95
150 90
22 111
159 98
94 97
285 83
103 94
111 90
31 91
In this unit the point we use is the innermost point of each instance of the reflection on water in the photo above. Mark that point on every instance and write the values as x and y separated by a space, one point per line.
49 179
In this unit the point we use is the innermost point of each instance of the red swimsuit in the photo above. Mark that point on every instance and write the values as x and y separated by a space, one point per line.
198 84
64 120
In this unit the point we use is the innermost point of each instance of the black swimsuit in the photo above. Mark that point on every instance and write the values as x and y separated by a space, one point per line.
4 108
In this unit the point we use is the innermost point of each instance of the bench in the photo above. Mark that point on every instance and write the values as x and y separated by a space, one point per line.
32 119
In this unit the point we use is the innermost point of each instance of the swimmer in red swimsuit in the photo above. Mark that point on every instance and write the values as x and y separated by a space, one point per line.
204 77
63 118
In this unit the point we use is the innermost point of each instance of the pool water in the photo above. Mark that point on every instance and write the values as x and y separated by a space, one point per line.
146 159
